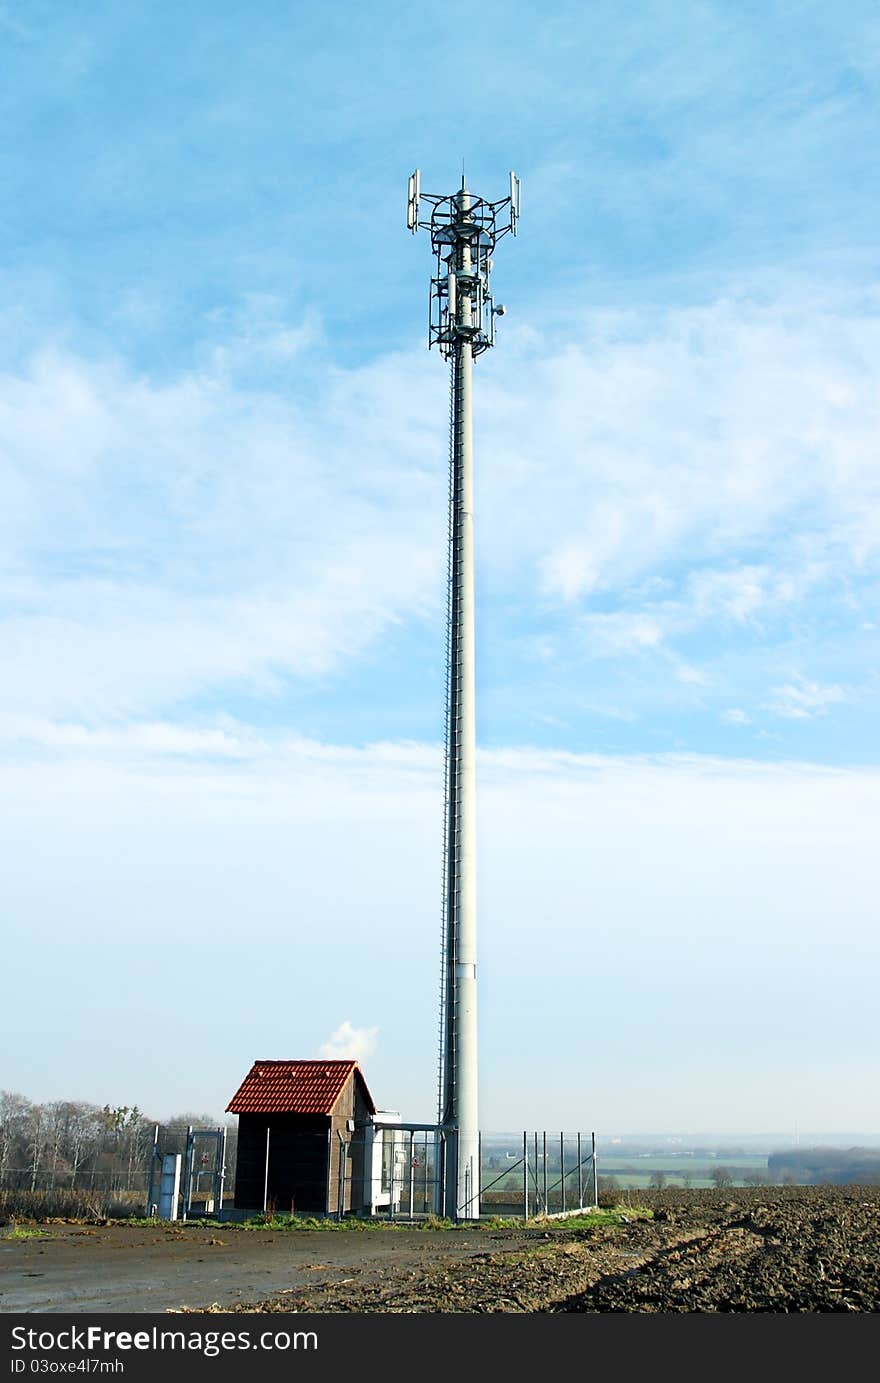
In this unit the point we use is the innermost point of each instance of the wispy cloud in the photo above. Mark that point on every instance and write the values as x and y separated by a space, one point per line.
734 715
802 700
164 539
678 488
677 441
707 497
620 633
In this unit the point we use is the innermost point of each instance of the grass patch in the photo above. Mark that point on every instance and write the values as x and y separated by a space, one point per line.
153 1222
612 1215
622 1213
306 1223
22 1232
606 1217
594 1219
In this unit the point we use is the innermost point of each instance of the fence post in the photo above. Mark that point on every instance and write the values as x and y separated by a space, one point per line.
546 1202
580 1177
266 1171
595 1175
340 1178
525 1176
220 1181
562 1167
153 1155
439 1172
188 1171
478 1179
393 1161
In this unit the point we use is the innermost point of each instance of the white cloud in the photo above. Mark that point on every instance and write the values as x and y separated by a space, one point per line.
681 440
163 539
657 477
802 699
606 636
692 676
570 570
611 712
347 1041
143 737
735 716
737 593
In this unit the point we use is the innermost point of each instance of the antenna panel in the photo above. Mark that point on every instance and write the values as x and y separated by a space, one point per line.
412 201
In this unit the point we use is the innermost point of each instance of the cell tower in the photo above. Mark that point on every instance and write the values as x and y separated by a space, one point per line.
461 322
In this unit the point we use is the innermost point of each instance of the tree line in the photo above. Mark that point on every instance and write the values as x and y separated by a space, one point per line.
823 1166
72 1144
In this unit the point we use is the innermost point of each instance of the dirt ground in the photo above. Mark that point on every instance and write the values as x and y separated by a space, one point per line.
792 1249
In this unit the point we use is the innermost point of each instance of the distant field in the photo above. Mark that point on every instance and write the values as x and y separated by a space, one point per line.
679 1171
637 1172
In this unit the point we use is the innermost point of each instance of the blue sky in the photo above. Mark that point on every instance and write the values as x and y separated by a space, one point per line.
222 469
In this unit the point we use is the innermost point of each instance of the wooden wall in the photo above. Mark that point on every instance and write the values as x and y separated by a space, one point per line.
304 1157
297 1162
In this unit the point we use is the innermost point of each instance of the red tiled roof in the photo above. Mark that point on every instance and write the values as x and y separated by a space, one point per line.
295 1087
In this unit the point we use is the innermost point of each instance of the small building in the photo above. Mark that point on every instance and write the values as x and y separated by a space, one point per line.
302 1138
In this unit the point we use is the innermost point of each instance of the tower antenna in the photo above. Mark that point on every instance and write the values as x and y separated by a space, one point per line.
464 230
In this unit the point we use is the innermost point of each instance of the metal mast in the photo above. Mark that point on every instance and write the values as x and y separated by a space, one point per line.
461 322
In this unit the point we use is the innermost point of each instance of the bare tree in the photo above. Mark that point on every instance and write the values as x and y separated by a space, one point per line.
721 1177
57 1119
37 1126
13 1118
84 1130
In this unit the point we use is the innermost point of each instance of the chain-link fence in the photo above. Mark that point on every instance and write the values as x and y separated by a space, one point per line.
397 1171
383 1170
537 1173
76 1161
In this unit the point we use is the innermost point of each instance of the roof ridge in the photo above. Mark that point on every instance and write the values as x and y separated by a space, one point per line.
305 1061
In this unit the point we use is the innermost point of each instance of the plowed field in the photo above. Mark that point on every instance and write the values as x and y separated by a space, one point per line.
801 1249
797 1249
